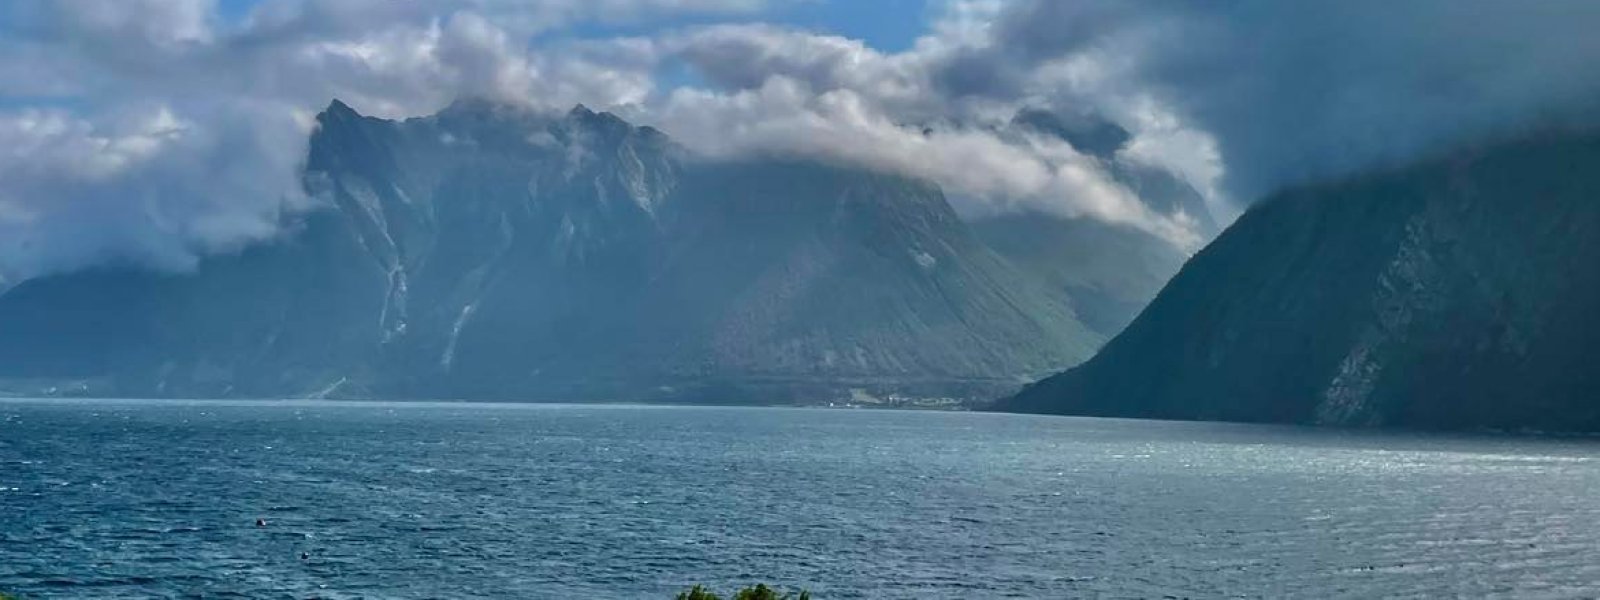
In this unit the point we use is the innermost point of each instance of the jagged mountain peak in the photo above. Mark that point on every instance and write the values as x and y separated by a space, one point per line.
338 114
469 109
337 107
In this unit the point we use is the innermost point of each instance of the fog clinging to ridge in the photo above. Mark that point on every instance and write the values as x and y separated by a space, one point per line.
154 132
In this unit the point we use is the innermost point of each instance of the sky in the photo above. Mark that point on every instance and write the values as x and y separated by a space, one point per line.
153 132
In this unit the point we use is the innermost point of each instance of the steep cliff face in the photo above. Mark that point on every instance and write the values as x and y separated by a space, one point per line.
486 252
1455 294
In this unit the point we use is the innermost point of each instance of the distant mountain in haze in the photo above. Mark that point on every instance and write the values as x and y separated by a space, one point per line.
1460 293
486 252
1110 272
1161 190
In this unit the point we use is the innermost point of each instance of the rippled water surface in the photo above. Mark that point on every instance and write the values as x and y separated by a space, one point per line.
109 499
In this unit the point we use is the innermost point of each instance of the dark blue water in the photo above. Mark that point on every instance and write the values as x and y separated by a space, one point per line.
142 500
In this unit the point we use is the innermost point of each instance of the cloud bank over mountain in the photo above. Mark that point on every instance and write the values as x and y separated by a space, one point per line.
156 131
1295 91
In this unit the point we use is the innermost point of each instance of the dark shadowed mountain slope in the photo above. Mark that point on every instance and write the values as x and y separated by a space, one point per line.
486 252
1457 294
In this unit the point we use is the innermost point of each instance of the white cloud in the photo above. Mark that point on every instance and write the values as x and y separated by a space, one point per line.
1293 91
300 18
158 130
135 24
142 186
785 91
984 172
245 94
184 134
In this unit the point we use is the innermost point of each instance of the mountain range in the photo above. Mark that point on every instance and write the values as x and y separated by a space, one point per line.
489 252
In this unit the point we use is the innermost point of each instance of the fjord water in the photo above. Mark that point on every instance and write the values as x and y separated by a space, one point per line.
127 499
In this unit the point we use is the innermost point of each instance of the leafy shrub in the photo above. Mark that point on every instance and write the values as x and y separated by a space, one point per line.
759 592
